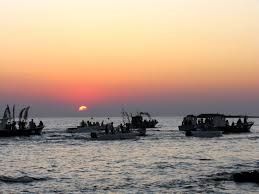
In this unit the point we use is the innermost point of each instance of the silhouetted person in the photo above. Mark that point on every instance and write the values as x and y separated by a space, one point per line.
106 129
32 124
112 128
227 123
239 122
41 124
82 124
13 125
23 124
121 128
8 125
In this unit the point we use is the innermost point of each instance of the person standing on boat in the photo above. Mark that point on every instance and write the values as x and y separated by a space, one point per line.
239 123
112 128
13 125
121 128
41 124
227 123
31 124
82 123
106 129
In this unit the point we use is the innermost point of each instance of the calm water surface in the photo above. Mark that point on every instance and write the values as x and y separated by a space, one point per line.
165 161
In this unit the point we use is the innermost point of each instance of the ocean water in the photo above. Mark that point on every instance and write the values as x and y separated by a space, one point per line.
165 161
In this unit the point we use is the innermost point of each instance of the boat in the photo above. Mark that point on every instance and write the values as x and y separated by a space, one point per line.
138 120
88 127
8 126
202 133
20 132
113 136
217 122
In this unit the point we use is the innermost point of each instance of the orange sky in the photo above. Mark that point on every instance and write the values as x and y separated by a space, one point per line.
90 52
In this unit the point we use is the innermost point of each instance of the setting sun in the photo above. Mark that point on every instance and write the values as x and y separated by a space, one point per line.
82 108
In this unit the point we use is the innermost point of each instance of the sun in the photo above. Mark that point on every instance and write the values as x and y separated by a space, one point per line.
82 108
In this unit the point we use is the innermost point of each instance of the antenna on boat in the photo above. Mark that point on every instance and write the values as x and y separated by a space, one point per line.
14 112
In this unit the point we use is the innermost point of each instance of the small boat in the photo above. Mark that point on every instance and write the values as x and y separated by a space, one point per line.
88 127
206 134
114 136
217 122
138 120
8 126
21 132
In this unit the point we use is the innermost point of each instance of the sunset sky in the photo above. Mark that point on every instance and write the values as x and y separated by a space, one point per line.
169 57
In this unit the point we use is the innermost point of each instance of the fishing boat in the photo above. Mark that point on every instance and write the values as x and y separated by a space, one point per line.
139 120
88 127
20 132
217 122
8 126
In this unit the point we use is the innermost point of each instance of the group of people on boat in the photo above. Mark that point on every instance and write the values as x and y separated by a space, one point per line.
239 123
110 129
22 125
203 122
139 122
91 124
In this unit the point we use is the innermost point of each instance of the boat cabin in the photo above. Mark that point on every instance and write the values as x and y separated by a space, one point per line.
190 120
216 120
136 120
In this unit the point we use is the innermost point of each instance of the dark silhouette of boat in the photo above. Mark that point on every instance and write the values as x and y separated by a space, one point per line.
8 127
216 122
138 120
204 133
21 132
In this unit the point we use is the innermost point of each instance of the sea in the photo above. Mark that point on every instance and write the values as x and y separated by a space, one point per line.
164 161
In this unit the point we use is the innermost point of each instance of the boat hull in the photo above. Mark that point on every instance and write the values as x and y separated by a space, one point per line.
23 132
186 128
204 134
244 128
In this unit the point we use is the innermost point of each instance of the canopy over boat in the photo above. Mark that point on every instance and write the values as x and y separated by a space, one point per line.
222 115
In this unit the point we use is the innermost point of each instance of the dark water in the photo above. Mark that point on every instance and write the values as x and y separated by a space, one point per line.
163 162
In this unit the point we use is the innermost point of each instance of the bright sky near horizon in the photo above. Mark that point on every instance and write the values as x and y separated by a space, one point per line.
165 56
